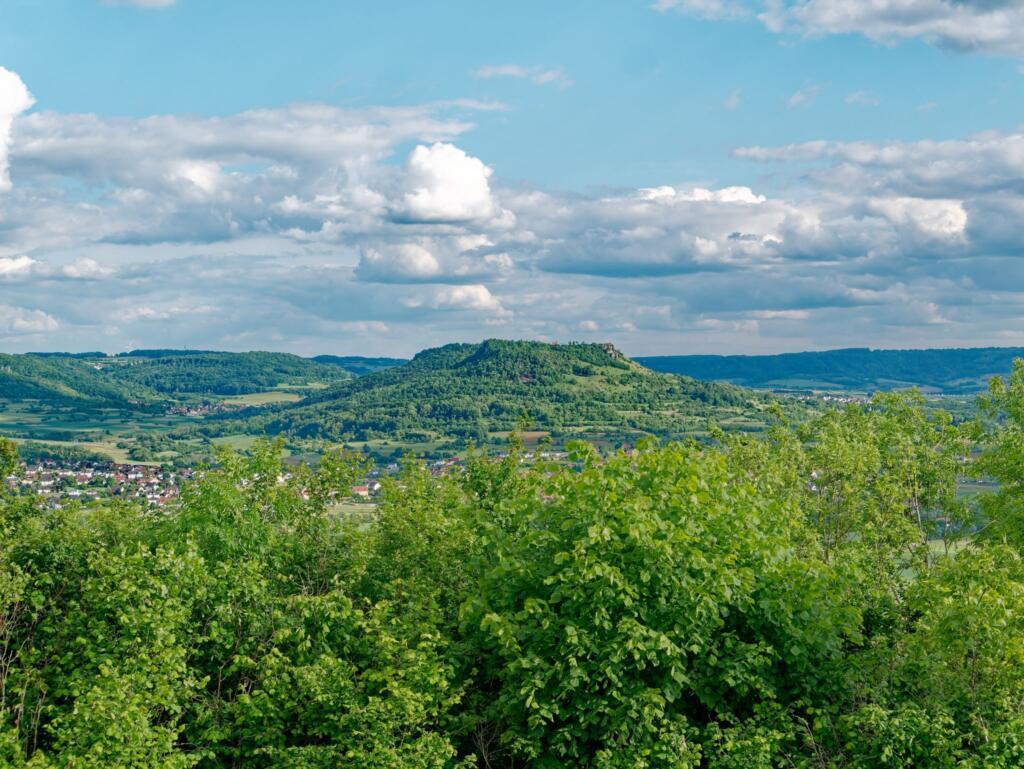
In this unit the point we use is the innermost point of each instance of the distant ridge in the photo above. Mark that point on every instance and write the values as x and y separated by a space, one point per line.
64 380
359 365
947 371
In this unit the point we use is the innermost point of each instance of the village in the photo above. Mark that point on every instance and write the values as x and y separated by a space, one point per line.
62 481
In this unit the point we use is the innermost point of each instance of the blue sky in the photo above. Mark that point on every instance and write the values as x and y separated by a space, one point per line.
273 145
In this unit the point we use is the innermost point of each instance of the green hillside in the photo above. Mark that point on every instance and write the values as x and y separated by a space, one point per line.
64 380
218 373
951 371
470 390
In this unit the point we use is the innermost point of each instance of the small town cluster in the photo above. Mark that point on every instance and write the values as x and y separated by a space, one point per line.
60 481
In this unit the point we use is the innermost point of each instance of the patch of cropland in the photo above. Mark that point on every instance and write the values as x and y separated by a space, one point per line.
469 391
65 380
358 365
947 371
177 373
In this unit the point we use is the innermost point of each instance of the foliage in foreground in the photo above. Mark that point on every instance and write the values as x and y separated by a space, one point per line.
771 602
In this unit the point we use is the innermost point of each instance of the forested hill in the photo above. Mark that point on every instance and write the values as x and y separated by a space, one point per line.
219 373
951 371
57 379
470 390
151 376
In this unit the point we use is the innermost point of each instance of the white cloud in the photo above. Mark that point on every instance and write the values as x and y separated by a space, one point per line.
781 314
733 100
536 75
84 269
405 262
444 184
988 26
708 9
133 314
993 26
14 99
804 97
438 259
148 313
944 219
25 267
19 320
16 266
861 99
475 297
667 194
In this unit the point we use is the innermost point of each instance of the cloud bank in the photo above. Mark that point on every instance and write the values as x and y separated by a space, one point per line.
320 229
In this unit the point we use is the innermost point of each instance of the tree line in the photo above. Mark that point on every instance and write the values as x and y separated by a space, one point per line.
822 597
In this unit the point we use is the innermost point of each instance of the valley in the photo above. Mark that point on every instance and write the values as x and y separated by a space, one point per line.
175 407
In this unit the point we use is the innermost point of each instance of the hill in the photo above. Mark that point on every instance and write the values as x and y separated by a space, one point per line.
176 372
949 371
358 365
64 380
467 391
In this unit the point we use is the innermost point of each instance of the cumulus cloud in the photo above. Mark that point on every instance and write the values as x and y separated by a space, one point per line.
444 184
16 267
476 297
988 26
25 267
401 263
19 320
439 259
14 99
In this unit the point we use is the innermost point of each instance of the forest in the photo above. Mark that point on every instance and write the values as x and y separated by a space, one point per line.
219 373
823 596
467 391
151 378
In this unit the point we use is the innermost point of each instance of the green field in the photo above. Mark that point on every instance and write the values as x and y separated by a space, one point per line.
96 429
237 442
264 398
115 453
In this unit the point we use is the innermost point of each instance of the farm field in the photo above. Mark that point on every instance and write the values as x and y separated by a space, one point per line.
268 397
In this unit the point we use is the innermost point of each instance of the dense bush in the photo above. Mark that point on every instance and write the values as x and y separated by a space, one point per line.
782 601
